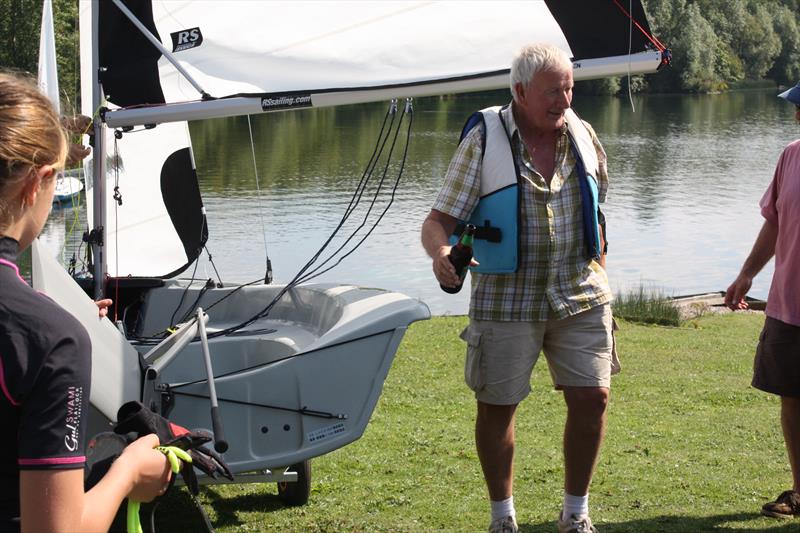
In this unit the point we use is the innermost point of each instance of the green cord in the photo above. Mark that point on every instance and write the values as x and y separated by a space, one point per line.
174 455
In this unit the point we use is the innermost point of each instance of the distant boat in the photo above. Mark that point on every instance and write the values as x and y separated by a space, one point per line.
68 187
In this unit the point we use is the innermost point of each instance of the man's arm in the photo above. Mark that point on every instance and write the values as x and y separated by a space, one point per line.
602 233
762 252
436 231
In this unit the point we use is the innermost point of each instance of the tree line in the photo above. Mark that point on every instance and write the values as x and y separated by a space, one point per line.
20 24
714 44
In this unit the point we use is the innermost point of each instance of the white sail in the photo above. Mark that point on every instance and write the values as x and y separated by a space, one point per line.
48 73
299 54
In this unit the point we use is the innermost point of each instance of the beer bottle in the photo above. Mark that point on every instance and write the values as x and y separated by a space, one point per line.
460 256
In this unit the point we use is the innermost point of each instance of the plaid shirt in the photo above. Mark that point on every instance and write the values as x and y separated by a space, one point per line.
554 278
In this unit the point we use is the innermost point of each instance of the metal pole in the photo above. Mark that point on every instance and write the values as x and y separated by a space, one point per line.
98 164
220 444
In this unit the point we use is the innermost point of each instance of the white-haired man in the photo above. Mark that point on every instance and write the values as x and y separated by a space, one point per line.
530 176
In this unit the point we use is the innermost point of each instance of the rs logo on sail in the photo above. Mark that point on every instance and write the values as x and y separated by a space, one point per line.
186 39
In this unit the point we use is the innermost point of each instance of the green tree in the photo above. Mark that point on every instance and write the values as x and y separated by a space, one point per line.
758 43
786 69
693 42
20 22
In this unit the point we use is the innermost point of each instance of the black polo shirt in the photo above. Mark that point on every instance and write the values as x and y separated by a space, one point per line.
45 375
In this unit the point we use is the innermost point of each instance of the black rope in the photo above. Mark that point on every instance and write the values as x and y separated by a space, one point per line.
305 411
183 294
272 362
313 274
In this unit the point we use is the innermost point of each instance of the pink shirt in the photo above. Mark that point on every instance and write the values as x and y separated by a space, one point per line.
781 205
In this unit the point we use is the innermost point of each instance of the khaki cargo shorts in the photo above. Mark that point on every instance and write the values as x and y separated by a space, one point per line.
580 352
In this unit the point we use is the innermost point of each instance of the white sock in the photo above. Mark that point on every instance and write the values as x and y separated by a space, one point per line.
575 505
503 508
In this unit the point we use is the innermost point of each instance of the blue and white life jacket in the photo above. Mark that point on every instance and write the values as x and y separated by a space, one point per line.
496 216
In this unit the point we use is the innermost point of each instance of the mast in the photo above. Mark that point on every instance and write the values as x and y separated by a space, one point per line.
96 234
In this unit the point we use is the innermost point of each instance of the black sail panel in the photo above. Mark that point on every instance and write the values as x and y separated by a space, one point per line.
181 194
129 61
600 28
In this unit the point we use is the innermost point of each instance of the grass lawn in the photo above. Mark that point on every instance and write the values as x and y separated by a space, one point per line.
690 446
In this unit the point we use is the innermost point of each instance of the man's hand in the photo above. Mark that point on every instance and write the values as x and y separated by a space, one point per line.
444 270
734 296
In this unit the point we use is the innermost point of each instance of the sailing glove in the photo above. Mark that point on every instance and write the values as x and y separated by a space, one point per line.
135 420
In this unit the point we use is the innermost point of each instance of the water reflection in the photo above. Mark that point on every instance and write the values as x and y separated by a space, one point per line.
686 176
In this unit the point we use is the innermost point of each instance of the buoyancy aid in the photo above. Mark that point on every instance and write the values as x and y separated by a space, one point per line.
496 216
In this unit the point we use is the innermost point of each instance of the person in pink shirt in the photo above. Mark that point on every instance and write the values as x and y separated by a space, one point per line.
777 361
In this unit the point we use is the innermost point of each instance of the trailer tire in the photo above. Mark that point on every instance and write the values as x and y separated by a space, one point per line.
294 494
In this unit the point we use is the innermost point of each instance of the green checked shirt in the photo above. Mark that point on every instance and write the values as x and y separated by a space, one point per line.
554 278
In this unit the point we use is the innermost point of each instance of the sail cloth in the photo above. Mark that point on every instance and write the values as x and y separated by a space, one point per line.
251 57
299 54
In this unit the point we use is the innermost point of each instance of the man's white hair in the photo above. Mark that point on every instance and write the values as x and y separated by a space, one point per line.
535 58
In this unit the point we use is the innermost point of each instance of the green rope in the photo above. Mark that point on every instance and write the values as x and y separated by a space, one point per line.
175 456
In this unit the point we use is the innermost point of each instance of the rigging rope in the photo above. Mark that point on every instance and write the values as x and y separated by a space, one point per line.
268 265
652 38
630 46
303 275
407 112
354 201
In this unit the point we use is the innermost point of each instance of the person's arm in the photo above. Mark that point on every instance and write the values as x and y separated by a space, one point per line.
602 234
436 231
54 501
762 252
80 125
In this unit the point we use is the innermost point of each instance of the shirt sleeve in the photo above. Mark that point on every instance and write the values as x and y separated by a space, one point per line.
769 202
54 414
461 189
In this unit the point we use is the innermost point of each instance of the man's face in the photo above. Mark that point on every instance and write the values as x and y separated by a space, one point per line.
543 101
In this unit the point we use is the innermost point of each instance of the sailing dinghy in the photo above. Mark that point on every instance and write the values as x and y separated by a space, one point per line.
291 370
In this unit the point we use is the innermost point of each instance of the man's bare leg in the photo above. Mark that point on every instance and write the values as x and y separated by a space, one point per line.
494 439
583 435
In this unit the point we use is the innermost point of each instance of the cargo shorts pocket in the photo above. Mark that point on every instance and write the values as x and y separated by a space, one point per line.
473 375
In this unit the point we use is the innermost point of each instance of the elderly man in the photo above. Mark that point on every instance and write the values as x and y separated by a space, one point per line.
777 362
529 176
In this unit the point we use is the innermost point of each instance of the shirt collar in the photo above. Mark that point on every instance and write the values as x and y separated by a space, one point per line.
511 124
9 248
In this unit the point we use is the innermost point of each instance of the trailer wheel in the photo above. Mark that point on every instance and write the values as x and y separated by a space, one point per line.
294 494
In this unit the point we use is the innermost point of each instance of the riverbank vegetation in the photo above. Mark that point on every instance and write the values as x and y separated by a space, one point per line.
715 44
646 306
691 447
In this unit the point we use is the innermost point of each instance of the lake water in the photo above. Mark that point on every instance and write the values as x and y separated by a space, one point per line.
686 174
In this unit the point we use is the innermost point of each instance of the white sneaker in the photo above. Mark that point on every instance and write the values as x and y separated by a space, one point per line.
504 525
576 524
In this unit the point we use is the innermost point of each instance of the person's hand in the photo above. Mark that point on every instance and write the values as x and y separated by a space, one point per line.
76 154
103 305
150 468
135 418
80 124
734 296
444 270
